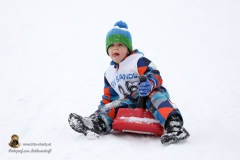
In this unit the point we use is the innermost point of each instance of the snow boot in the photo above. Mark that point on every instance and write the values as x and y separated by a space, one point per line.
89 126
175 132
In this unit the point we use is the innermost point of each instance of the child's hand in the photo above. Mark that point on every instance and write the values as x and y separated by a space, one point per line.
145 88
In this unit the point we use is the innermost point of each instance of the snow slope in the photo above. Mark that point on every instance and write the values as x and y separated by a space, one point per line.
52 60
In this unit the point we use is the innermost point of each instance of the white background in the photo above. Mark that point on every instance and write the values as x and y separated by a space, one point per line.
52 62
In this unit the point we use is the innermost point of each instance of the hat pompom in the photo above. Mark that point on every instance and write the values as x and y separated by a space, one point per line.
121 24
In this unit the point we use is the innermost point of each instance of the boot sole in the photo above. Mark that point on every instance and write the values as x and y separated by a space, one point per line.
170 139
79 125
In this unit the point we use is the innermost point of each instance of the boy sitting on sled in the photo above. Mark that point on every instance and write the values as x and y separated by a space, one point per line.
123 87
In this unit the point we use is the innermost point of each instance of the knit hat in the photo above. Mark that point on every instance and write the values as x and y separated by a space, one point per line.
119 33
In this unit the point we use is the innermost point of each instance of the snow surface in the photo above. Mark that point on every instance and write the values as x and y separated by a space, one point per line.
52 61
139 120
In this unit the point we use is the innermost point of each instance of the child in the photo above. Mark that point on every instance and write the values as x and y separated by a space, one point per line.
122 89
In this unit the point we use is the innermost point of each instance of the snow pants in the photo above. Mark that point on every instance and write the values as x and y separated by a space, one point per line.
158 103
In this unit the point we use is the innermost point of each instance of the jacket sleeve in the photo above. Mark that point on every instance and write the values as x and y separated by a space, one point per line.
146 67
109 93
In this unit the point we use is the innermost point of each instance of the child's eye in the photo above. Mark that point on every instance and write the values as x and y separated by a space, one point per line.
120 44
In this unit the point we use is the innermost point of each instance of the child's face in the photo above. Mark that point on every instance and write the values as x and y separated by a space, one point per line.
117 52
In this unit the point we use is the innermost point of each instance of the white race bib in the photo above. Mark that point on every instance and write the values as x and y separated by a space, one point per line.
125 79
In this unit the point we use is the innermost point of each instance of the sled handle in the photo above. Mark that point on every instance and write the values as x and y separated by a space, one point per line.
142 100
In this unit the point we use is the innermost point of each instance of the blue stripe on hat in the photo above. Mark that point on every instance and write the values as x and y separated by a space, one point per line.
120 31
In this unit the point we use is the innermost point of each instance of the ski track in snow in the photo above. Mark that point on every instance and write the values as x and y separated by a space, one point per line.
52 62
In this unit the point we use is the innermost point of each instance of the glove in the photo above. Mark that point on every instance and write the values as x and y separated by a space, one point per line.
145 88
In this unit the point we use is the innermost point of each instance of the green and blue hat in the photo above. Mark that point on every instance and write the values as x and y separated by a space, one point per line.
119 33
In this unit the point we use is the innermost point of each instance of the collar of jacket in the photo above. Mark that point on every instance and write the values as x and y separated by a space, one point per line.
116 65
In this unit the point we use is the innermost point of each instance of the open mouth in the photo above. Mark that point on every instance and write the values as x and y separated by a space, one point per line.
115 54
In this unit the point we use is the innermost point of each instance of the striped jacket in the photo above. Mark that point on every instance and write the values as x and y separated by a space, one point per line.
144 67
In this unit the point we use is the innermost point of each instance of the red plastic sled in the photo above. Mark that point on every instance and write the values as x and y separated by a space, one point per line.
137 120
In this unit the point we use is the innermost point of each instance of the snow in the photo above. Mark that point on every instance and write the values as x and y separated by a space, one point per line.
52 61
139 120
